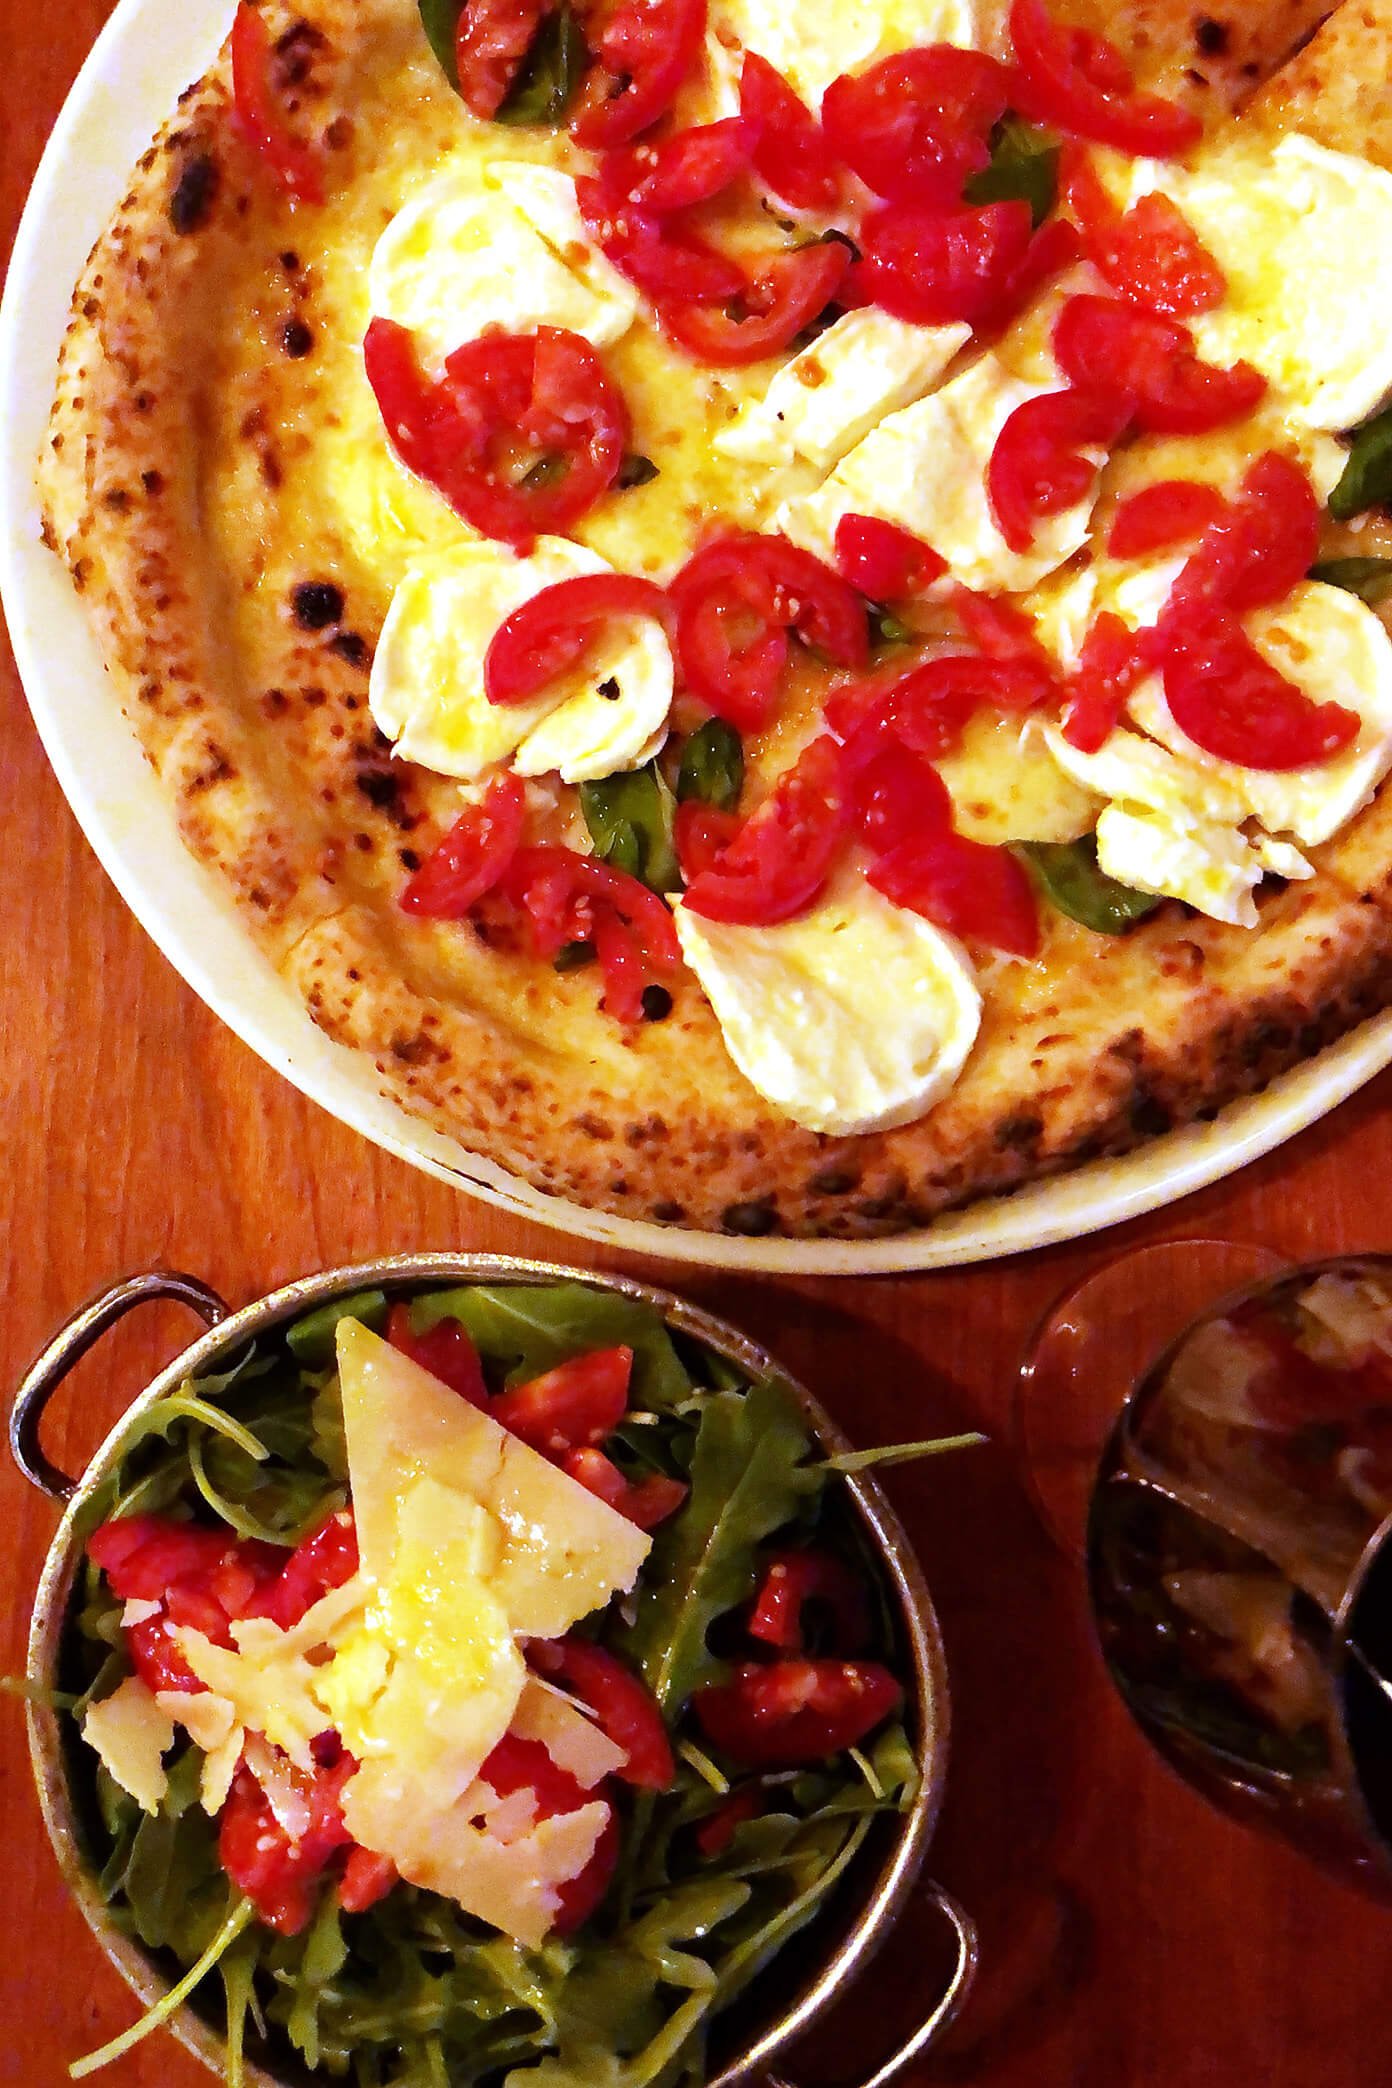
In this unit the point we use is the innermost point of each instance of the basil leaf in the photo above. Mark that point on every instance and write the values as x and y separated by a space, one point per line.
1367 476
1069 876
1023 169
549 74
440 21
1369 578
529 1328
636 470
749 1476
712 766
630 823
888 629
311 1339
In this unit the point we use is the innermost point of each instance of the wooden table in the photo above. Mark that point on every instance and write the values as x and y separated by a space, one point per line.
1131 1937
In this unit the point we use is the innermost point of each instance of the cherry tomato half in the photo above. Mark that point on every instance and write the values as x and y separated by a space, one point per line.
645 1502
794 1712
1174 393
281 1877
791 153
675 173
516 1765
621 1701
643 52
1080 82
1234 704
580 1401
882 560
933 266
1163 515
781 293
1262 544
915 126
493 38
1036 468
260 115
445 1350
973 890
782 856
326 1559
472 856
665 262
573 898
521 436
1110 664
699 834
1152 255
550 631
736 600
792 1582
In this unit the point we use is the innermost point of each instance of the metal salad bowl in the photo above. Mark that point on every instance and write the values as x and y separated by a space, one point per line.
755 2033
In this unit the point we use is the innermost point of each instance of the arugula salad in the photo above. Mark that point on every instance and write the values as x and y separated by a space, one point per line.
747 1686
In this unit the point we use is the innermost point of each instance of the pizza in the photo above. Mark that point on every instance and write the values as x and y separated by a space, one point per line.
775 611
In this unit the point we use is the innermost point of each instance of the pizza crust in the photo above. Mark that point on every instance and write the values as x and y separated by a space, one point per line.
259 730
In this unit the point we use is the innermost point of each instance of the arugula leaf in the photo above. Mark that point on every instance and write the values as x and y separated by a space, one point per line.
440 21
549 74
239 1917
531 1328
1069 876
749 1476
630 821
712 766
1369 578
1024 168
311 1339
1367 476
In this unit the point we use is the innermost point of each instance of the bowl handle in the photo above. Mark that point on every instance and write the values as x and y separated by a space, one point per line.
944 2010
71 1343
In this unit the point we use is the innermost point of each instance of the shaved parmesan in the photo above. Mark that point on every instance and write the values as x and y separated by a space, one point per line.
572 1740
513 1885
131 1734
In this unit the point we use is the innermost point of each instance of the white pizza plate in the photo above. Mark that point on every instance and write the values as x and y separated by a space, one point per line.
147 53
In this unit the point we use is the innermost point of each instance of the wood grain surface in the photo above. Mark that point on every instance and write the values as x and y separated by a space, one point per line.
1131 1937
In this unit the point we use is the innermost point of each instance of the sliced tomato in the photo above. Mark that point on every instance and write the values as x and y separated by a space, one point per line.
782 856
1152 255
281 1878
915 126
1174 393
367 1878
326 1559
897 796
1002 631
934 266
156 1658
643 52
794 1712
791 152
1037 467
664 260
1260 545
1110 664
260 112
521 436
562 892
1054 247
1162 516
516 1765
1234 704
143 1555
782 292
472 856
646 1502
493 38
445 1350
1081 83
550 631
882 560
623 1705
580 1401
626 973
973 890
792 1582
677 172
736 601
717 1830
700 832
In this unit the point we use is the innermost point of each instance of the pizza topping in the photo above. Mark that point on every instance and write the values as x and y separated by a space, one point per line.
1047 457
792 155
1111 663
643 52
661 260
778 862
883 561
1260 545
1172 390
570 898
1081 82
521 436
712 766
1152 254
682 170
980 893
936 266
737 600
780 293
493 38
1072 879
549 76
1163 516
551 631
852 1017
260 111
472 856
827 398
1229 699
915 126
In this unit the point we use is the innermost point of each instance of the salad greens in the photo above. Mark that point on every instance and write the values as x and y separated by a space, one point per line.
414 1993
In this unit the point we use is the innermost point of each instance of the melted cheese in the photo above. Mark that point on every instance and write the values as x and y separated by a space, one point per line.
812 46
